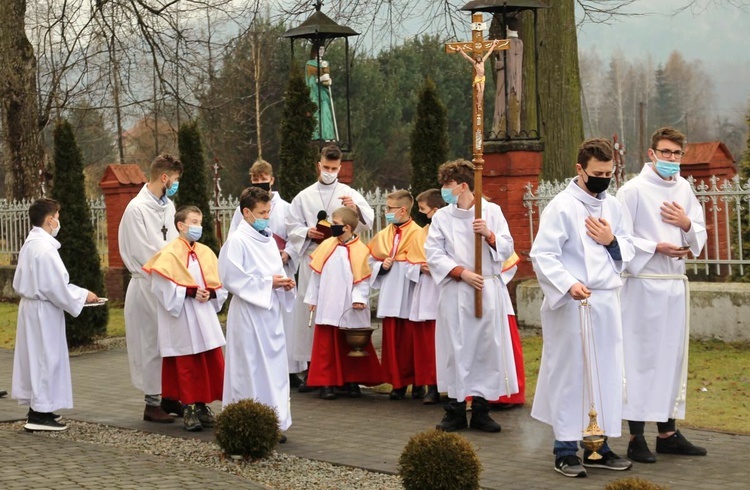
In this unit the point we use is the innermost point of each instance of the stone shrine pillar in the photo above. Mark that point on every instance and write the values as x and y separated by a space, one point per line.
120 184
508 167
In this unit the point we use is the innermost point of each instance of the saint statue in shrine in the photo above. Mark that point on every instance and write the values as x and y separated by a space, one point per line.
318 79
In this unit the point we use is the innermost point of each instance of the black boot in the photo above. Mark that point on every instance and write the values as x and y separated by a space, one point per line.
417 392
480 416
398 393
294 380
454 418
432 397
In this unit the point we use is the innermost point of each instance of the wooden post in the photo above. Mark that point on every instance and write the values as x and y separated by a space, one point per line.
480 49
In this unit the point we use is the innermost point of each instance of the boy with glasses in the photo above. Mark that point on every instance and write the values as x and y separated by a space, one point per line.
668 224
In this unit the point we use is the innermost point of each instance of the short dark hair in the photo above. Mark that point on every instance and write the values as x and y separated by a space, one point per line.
183 212
330 152
598 148
347 216
165 164
40 209
251 196
461 171
667 133
432 197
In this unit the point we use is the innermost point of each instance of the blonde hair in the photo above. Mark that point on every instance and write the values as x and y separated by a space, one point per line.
402 197
260 168
347 216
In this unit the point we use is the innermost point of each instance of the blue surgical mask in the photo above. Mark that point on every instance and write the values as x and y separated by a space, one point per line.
448 196
194 233
259 224
667 169
173 190
390 218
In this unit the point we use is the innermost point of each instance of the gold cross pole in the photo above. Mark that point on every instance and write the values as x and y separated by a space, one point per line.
480 49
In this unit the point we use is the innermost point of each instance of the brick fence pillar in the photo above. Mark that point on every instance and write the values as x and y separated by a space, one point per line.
120 184
508 167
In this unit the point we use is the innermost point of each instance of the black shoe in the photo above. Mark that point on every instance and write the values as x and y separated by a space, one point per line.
501 407
608 461
327 393
398 394
40 421
31 413
417 392
570 466
173 407
3 393
294 380
353 390
480 416
305 388
282 439
432 397
638 450
454 418
190 419
677 444
205 415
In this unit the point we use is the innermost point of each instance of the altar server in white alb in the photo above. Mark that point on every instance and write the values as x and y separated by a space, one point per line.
41 369
146 227
668 224
251 269
582 246
474 355
261 175
185 281
315 203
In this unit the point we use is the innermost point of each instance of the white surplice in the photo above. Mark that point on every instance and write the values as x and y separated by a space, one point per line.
256 359
474 355
653 309
140 237
187 326
277 225
563 255
41 368
333 293
424 300
303 215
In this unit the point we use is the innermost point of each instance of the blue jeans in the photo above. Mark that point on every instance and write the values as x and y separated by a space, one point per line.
570 448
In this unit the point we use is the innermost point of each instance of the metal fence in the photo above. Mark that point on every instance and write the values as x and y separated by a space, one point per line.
725 206
14 222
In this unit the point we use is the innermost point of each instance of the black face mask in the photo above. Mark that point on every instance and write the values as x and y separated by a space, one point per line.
266 186
337 230
597 185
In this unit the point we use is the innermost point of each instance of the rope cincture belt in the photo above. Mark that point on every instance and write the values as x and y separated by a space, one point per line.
682 394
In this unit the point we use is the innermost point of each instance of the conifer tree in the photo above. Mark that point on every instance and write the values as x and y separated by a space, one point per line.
297 153
193 188
429 143
78 250
744 171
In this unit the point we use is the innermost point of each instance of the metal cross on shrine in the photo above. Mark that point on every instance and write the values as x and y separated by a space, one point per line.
479 50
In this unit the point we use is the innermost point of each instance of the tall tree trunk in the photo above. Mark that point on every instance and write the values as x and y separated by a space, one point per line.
22 148
559 86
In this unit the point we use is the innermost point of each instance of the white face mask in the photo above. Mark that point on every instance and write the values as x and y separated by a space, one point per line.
55 231
328 177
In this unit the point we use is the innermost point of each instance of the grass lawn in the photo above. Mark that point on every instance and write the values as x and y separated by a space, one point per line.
718 378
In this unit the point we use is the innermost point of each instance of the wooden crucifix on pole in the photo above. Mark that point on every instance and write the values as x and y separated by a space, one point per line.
478 51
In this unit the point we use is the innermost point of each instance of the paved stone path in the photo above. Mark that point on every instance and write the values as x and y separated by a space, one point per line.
369 432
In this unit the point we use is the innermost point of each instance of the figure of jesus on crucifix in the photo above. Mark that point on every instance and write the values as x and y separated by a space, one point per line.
478 62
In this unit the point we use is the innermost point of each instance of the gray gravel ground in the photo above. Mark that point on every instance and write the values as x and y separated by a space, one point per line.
280 471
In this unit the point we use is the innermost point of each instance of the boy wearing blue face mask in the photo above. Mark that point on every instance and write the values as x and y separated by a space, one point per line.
251 269
185 282
668 224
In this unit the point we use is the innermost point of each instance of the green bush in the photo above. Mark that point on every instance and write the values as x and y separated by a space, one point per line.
247 428
437 460
634 483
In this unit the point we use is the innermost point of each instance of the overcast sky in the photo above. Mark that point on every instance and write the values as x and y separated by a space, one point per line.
716 33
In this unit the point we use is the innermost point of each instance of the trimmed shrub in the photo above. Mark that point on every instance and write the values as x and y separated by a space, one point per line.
247 428
634 483
78 247
438 460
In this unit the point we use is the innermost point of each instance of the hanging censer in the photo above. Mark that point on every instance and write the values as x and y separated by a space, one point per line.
593 436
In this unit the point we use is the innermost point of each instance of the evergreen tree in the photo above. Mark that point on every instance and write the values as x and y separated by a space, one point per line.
297 154
744 171
78 251
429 142
194 182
